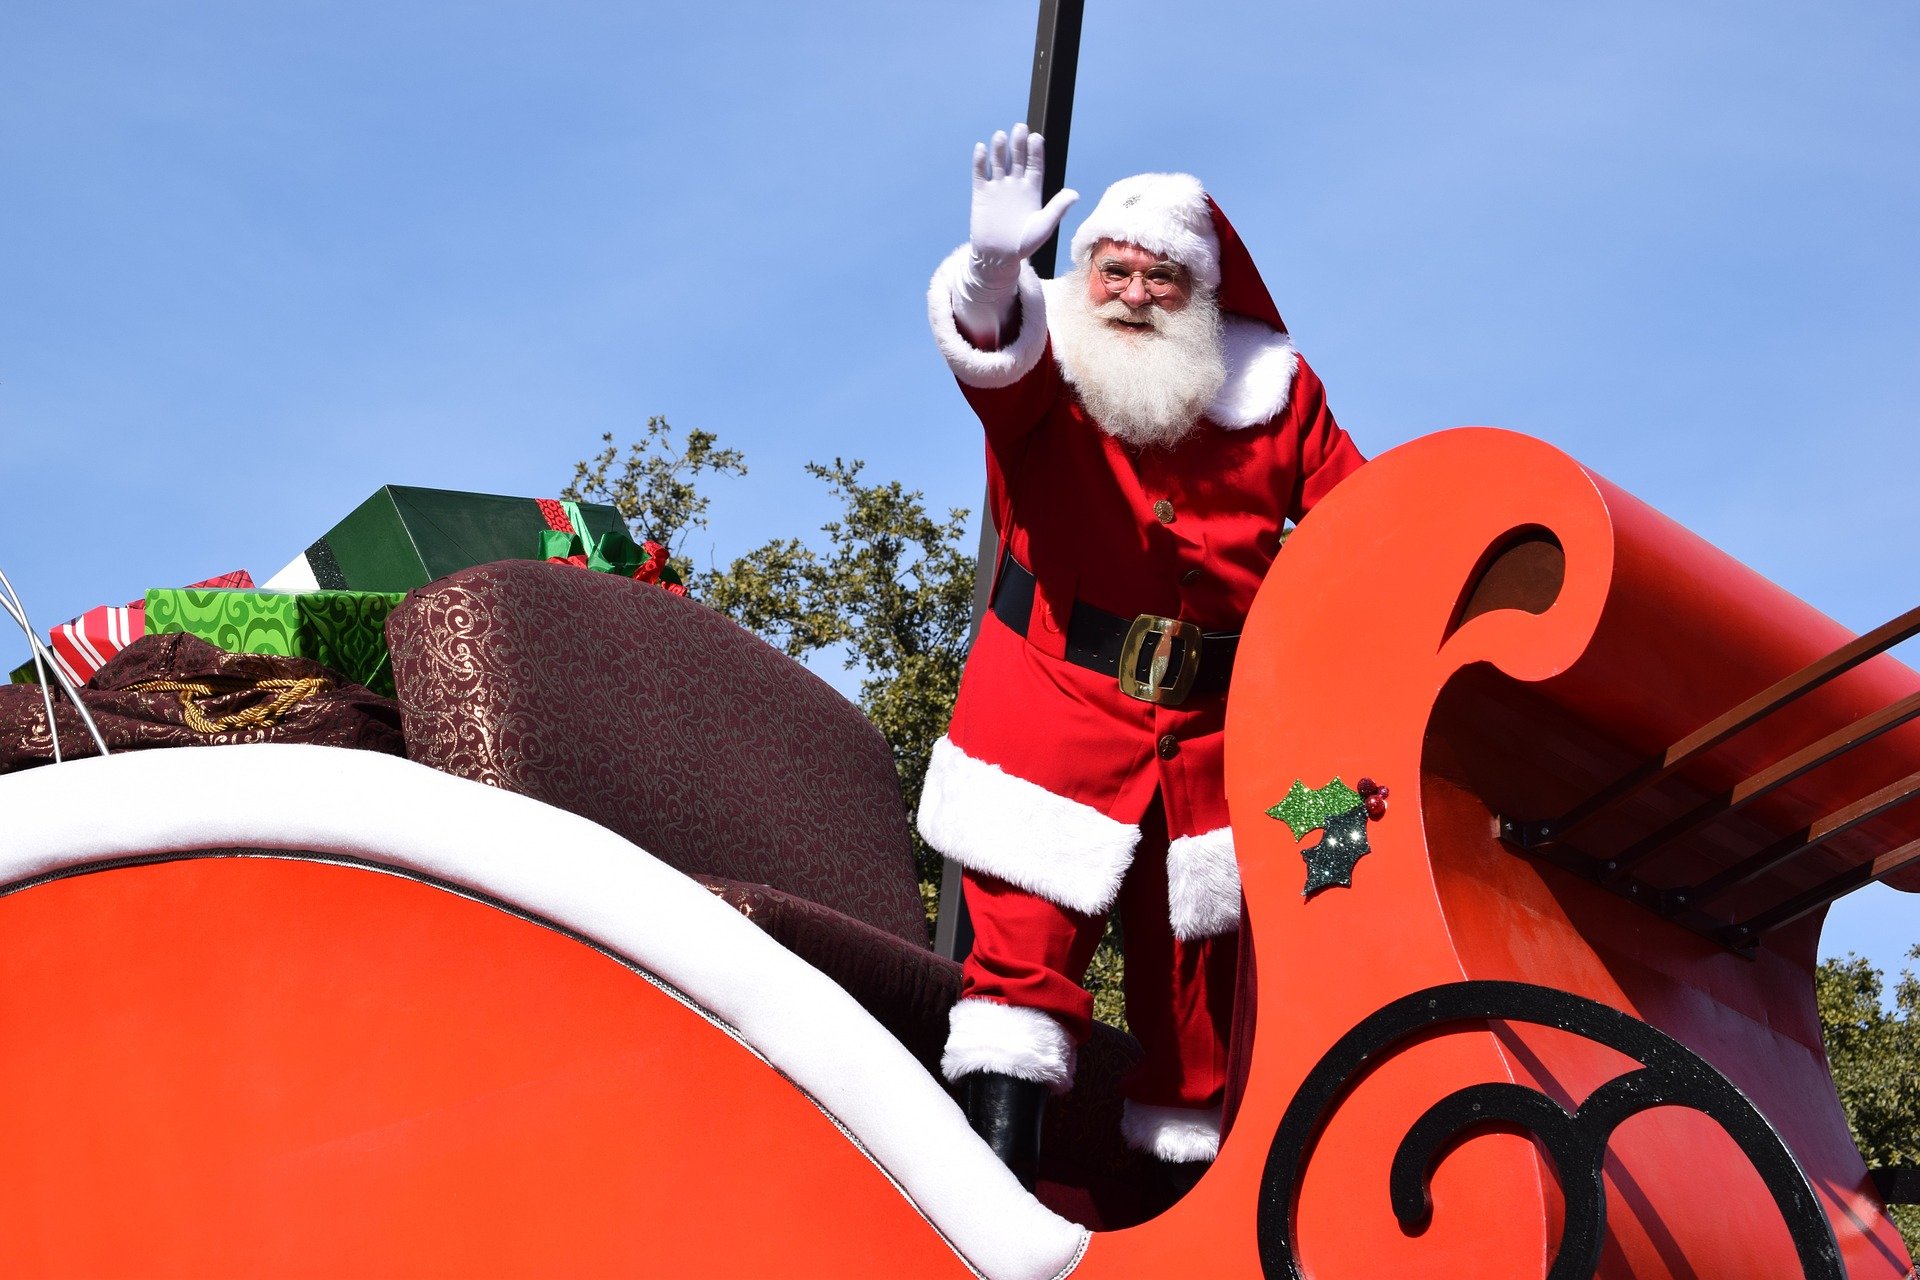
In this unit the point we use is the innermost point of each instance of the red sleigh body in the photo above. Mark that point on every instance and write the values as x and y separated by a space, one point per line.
430 1027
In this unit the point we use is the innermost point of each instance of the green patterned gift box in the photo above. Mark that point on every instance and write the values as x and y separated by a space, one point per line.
344 630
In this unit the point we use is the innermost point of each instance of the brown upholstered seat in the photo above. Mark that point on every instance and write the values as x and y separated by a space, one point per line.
665 721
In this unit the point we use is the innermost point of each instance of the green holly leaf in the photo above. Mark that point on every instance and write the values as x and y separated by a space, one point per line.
1308 808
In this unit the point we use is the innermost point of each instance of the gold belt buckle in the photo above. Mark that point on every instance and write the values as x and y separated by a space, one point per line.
1167 636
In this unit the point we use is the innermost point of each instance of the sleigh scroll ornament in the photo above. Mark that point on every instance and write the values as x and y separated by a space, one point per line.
1575 1139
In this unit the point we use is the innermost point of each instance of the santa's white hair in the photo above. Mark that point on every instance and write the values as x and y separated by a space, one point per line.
1145 385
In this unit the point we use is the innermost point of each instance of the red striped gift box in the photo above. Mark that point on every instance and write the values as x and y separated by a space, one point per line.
82 646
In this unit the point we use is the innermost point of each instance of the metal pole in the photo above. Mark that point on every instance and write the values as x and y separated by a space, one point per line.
1056 59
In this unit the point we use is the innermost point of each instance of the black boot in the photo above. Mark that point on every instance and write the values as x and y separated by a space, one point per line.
1180 1177
1005 1111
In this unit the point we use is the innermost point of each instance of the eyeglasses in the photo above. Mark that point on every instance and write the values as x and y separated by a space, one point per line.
1159 280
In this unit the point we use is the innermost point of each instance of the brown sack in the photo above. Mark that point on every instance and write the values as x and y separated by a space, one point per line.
179 691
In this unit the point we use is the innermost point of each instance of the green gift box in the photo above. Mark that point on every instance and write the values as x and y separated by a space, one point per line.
405 537
344 630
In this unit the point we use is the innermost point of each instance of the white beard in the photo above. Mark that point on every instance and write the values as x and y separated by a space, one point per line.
1146 387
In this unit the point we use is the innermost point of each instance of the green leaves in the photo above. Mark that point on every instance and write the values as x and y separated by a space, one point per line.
1875 1056
1875 1053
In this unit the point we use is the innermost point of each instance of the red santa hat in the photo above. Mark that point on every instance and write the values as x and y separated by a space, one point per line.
1172 214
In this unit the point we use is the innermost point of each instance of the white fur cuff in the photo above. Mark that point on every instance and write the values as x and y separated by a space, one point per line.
990 369
1203 885
1178 1135
987 820
985 1035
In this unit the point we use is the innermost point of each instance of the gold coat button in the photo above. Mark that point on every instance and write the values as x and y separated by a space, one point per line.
1163 511
1169 746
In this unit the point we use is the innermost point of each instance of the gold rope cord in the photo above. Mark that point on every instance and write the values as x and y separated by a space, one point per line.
288 694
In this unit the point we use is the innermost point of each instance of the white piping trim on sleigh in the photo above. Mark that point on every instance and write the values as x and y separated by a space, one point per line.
1178 1135
1261 364
986 1035
1203 885
988 820
989 369
587 879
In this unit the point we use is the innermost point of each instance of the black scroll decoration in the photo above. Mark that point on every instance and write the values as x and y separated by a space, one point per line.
1576 1141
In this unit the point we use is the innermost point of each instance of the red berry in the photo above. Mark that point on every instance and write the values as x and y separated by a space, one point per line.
1376 806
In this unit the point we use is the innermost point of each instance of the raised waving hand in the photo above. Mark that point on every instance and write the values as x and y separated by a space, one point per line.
1009 221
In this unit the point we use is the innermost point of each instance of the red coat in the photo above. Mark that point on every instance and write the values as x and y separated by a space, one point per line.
1048 767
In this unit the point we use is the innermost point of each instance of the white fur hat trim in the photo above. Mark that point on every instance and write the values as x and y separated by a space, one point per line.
1164 213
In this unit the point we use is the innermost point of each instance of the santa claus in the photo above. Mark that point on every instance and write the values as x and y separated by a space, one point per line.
1150 430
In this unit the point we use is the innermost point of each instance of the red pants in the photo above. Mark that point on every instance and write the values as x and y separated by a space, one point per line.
1032 954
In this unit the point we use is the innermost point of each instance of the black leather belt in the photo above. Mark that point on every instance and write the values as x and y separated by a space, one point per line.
1154 659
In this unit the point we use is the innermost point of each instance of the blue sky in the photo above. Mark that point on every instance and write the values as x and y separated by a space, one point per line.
265 258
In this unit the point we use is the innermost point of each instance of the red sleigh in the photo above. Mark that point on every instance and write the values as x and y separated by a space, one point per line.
281 1010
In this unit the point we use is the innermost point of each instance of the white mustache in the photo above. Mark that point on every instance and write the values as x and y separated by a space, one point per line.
1115 309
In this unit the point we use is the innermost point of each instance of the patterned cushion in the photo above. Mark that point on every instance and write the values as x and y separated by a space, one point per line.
331 712
663 720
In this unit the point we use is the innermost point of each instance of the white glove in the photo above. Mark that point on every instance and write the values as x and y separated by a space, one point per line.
1008 226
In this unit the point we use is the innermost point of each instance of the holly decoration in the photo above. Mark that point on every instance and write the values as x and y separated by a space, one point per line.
1308 808
1341 813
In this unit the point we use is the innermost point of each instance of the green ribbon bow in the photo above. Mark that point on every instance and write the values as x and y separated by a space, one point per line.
612 552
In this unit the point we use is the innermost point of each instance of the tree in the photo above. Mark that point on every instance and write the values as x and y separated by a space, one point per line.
1875 1055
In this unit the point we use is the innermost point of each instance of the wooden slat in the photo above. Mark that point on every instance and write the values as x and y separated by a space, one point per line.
1747 931
1891 796
1775 776
1746 714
